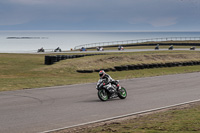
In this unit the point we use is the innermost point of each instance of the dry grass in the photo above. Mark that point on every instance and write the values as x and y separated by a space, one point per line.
111 60
22 71
176 120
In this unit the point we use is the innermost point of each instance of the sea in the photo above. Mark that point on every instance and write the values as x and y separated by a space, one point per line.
31 41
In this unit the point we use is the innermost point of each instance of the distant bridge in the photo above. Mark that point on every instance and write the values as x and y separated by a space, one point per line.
139 41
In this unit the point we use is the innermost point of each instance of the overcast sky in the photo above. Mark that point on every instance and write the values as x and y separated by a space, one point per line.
100 15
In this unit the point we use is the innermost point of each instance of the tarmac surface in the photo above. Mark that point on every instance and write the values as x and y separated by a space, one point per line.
44 109
113 51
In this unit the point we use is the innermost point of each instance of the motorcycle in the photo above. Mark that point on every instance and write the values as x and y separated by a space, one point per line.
100 49
120 47
40 50
109 90
58 50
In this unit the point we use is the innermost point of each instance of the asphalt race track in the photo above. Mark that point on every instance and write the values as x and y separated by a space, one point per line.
44 109
114 51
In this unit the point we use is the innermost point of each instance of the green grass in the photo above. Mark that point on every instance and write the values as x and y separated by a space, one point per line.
186 120
25 71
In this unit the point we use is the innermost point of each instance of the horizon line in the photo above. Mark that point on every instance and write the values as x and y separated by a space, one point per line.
100 30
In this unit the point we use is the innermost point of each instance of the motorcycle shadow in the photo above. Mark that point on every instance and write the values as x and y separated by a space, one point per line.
90 101
99 101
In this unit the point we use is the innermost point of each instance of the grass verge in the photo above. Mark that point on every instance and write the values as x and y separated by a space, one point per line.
182 119
24 71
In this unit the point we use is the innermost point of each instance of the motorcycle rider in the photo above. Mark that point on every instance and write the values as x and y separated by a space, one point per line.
108 78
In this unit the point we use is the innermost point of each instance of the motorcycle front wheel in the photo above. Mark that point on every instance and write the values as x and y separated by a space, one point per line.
103 95
122 93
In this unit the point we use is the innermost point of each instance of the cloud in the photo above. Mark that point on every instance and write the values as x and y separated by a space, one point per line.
29 2
162 22
137 20
102 13
14 21
155 22
53 2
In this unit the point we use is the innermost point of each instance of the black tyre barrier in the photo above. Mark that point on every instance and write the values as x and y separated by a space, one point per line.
66 57
135 67
54 59
130 67
180 63
88 71
118 68
85 71
80 71
58 57
190 63
150 65
97 70
155 65
78 56
49 60
194 62
141 66
63 57
198 62
112 69
72 56
146 66
106 70
160 65
184 64
175 64
168 64
124 68
172 64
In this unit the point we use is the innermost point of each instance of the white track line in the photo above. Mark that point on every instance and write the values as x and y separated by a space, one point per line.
121 116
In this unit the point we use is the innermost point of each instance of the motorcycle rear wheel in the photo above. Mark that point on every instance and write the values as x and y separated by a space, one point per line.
103 95
122 93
